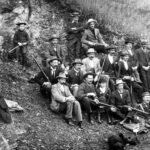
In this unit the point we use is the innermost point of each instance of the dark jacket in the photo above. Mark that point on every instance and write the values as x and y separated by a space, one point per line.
40 78
20 36
85 88
74 34
74 78
108 68
117 101
143 58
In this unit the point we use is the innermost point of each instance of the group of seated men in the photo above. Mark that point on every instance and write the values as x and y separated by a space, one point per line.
115 78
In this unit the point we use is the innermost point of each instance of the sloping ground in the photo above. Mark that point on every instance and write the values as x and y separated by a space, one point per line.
37 128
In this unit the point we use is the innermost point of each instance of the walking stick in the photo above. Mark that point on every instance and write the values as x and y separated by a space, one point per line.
13 49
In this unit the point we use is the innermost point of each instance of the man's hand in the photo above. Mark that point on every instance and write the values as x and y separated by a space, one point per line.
96 101
25 43
146 68
91 94
113 109
70 98
47 84
134 68
73 28
127 77
20 44
106 45
91 43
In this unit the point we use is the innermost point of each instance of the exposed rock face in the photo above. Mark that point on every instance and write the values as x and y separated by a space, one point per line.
3 143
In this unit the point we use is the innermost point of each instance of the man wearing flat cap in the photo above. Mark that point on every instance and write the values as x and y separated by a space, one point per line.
64 101
92 38
143 57
21 39
75 76
74 30
51 72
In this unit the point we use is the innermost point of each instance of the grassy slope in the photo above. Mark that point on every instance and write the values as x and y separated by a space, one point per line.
38 128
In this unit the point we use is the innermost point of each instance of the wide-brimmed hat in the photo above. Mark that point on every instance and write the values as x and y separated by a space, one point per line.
129 40
49 60
91 20
88 73
90 50
54 36
77 61
124 53
109 48
20 23
61 75
119 81
103 80
143 42
146 94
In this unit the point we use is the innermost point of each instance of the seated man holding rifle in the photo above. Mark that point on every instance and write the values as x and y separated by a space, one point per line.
47 76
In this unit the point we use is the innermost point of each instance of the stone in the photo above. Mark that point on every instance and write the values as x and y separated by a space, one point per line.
3 143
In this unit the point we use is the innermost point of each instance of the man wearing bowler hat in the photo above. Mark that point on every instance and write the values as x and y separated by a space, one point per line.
21 39
87 96
64 101
51 72
92 38
74 30
75 76
122 102
143 57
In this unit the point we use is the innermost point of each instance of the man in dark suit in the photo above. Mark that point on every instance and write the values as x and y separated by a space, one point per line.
92 38
74 30
75 76
125 72
52 71
143 56
86 95
121 100
108 64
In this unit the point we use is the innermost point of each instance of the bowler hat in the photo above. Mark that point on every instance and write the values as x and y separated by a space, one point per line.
129 40
77 61
91 20
124 53
145 94
52 58
119 81
143 42
54 36
103 80
61 75
88 73
111 48
90 50
20 23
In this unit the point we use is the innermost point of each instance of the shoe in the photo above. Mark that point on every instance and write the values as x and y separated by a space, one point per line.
80 125
69 122
90 119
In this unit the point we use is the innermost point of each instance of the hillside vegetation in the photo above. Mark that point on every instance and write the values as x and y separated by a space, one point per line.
128 16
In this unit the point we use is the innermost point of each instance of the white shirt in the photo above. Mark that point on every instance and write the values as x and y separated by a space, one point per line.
126 65
111 59
103 89
130 52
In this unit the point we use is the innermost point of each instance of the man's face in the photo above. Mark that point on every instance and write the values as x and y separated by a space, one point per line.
90 79
126 58
54 63
146 99
77 67
62 80
55 41
92 25
112 52
75 18
120 86
91 55
129 46
22 27
103 85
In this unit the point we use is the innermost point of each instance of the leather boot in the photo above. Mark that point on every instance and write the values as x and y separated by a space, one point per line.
99 118
90 118
80 124
69 122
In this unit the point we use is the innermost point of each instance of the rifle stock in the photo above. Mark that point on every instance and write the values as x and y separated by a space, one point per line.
40 69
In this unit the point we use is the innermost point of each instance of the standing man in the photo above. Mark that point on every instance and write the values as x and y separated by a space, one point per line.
92 38
74 31
75 76
52 71
87 96
143 56
63 100
21 39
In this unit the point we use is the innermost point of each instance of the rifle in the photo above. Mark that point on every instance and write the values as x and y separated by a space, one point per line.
10 51
41 69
